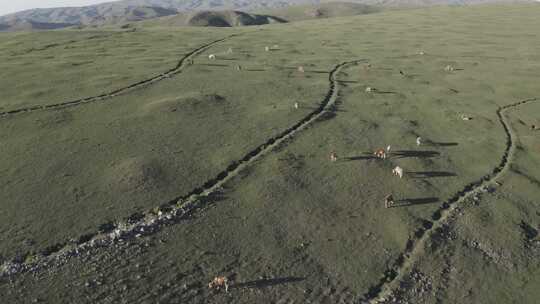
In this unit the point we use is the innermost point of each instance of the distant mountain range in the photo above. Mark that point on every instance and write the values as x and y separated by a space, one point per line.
136 10
230 18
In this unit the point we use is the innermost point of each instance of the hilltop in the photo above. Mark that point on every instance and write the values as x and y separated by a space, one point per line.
231 18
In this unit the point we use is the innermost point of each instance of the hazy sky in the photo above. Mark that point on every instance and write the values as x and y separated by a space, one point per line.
11 6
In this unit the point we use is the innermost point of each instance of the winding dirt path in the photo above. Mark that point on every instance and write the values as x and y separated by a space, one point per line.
403 264
106 96
180 207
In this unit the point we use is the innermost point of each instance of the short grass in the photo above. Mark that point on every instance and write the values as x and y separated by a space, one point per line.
294 226
51 67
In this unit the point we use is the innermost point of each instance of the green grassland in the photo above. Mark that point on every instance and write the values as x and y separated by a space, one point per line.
51 67
292 226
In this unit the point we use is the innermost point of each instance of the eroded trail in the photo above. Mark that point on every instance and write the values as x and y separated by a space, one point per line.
178 208
184 61
378 292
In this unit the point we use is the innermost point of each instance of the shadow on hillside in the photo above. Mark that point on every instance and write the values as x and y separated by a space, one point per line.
385 92
268 282
441 144
415 201
214 64
414 153
430 174
360 157
317 72
311 108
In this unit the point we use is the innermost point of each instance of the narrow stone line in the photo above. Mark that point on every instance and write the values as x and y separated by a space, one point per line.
404 262
177 209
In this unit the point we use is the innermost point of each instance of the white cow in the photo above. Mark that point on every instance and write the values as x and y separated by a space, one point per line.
333 156
418 141
398 171
465 117
212 57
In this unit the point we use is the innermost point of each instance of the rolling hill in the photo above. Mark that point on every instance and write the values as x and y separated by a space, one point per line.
323 10
138 168
227 18
231 18
135 10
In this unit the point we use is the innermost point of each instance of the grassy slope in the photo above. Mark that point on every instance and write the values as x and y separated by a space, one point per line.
147 147
289 14
488 237
51 67
294 214
324 10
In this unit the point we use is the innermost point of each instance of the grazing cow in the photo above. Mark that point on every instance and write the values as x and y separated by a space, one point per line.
388 200
296 105
238 67
465 117
449 68
218 283
370 89
212 57
301 69
388 149
398 171
421 53
267 48
418 141
380 153
333 156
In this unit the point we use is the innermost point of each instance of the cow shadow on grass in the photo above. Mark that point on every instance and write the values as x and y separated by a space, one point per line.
332 109
366 156
317 72
229 59
385 92
347 81
430 174
415 201
441 144
263 283
414 153
214 64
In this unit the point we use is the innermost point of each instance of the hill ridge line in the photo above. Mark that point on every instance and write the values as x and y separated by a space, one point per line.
377 292
175 210
120 91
